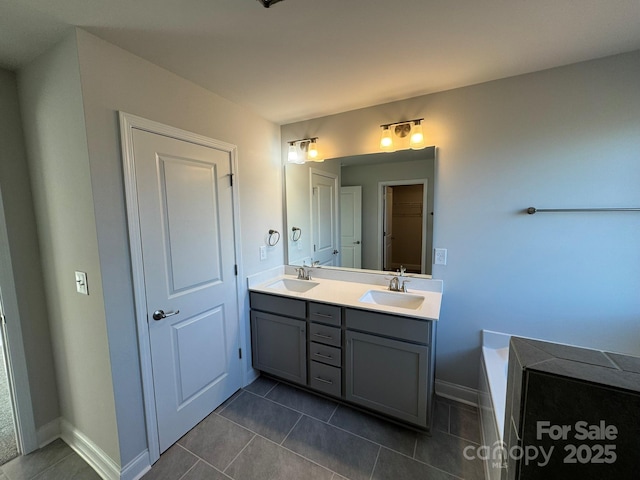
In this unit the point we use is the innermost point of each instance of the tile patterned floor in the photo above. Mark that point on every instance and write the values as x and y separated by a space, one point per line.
272 431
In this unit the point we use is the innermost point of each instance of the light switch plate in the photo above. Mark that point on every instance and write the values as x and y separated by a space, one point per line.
263 252
81 283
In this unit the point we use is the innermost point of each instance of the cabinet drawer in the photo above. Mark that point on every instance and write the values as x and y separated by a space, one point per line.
404 328
280 305
325 354
325 334
323 313
325 378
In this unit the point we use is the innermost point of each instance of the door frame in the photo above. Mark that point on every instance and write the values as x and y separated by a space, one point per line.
336 210
17 374
128 123
380 231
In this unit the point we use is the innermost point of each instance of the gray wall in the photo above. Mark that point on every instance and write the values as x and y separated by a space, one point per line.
51 102
71 97
25 256
113 80
565 137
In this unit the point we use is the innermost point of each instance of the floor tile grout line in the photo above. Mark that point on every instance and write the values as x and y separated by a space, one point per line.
422 462
191 468
49 467
415 448
205 462
343 430
292 428
288 407
333 413
199 458
375 463
271 389
238 454
233 398
299 455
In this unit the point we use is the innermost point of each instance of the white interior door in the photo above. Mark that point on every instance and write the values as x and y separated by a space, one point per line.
388 228
185 204
324 222
351 227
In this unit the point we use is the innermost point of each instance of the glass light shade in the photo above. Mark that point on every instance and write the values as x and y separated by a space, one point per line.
386 142
312 151
417 137
293 153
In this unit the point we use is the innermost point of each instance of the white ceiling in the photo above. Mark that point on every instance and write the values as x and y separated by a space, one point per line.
302 59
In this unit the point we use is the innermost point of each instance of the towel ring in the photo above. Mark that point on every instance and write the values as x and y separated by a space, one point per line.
274 238
296 233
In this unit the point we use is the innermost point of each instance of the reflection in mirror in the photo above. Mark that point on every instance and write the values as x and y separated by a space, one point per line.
371 211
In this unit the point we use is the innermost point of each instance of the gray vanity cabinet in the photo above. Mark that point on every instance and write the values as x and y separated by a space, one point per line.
279 342
381 362
390 375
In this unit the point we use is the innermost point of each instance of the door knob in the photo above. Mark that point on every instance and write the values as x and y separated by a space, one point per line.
335 252
357 242
160 314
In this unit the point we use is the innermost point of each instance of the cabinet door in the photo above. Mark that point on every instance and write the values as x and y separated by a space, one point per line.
388 376
279 346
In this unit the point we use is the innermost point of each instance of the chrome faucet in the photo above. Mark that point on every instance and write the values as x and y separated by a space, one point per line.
303 274
394 283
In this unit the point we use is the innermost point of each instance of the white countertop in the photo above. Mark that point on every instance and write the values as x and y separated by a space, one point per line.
348 294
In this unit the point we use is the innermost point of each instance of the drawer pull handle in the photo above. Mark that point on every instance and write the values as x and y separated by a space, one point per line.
328 337
328 357
323 315
323 380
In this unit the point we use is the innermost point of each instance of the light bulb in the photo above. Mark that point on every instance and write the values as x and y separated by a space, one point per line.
386 143
417 137
312 151
293 153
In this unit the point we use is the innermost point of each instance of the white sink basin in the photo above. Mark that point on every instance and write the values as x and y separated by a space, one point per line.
292 285
393 299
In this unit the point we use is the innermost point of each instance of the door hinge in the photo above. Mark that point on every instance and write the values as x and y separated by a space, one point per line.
3 319
314 248
231 179
240 353
235 269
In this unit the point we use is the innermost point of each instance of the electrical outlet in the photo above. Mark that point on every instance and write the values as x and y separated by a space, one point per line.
440 256
263 252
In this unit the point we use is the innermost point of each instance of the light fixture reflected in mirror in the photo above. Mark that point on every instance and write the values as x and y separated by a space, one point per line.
386 142
402 130
305 149
417 137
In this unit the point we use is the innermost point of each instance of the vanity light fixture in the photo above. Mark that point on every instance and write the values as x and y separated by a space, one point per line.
417 137
386 142
401 130
308 148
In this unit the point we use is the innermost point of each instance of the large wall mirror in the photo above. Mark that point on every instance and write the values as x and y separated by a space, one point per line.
371 211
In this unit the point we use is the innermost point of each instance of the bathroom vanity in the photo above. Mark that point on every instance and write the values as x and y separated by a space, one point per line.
333 338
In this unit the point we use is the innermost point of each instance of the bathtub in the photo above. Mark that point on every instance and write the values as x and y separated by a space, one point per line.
492 395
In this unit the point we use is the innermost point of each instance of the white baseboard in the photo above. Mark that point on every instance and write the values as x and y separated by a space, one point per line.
104 465
89 451
251 375
48 433
456 392
137 467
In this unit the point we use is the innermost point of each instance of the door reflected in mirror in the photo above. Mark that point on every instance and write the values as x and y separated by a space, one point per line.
371 211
